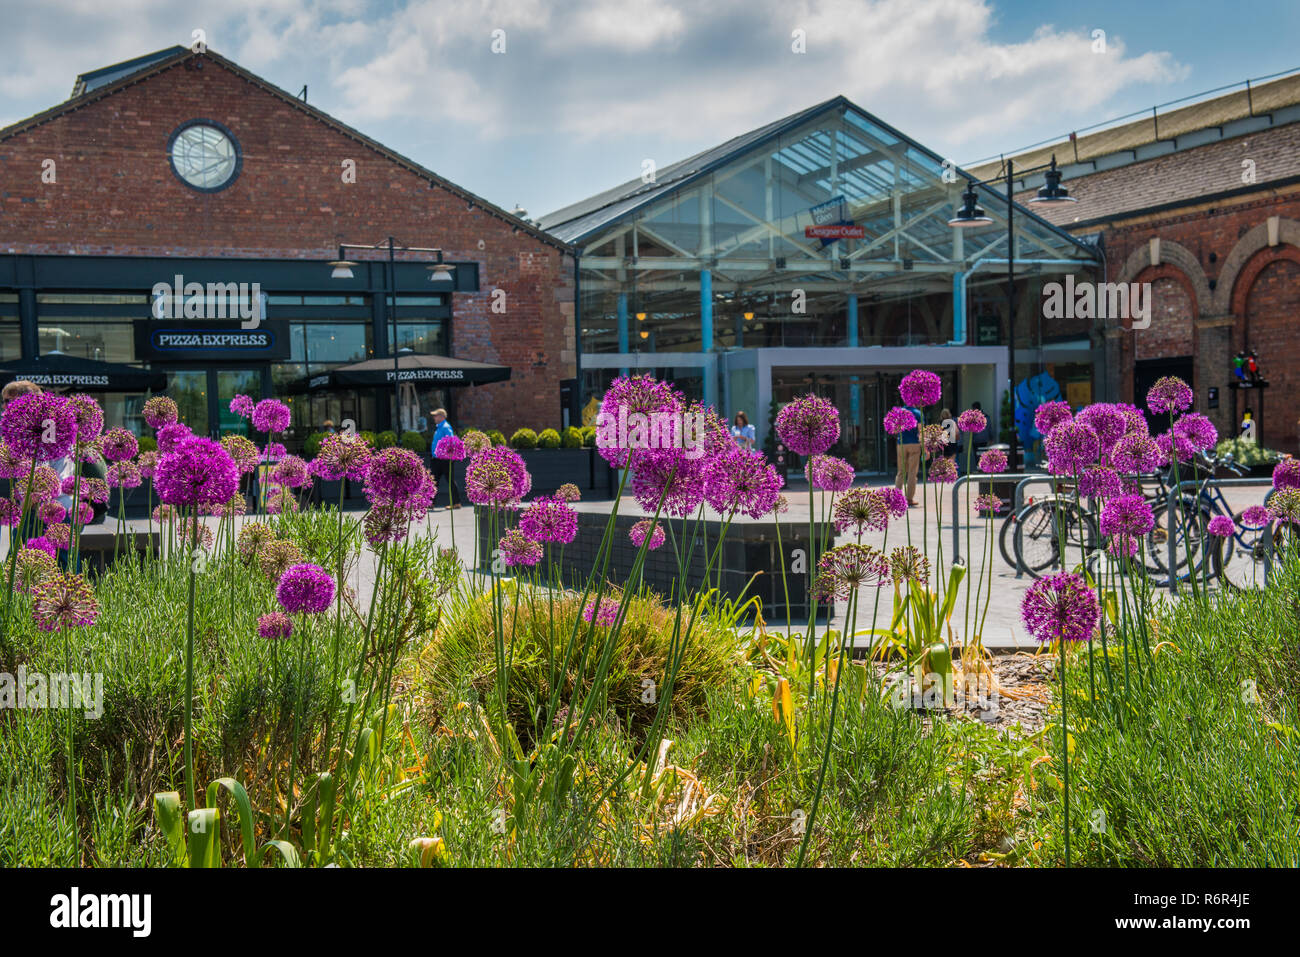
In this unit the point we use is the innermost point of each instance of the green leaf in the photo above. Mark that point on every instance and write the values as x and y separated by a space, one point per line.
167 811
288 853
204 827
244 808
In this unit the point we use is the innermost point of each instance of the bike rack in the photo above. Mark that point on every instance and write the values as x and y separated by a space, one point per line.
1017 500
1176 492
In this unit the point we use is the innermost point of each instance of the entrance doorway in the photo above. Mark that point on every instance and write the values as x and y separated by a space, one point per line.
203 398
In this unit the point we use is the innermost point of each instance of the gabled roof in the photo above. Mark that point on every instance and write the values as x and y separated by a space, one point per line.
109 80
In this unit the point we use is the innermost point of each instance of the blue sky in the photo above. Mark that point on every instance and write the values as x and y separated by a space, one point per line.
585 90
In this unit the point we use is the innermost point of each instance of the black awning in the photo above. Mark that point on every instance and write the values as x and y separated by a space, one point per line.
413 367
57 370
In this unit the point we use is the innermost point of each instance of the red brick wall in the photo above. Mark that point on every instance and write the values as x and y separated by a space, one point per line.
1272 328
1170 333
116 194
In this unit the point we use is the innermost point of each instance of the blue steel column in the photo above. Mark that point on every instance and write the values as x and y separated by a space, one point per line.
855 391
622 327
706 334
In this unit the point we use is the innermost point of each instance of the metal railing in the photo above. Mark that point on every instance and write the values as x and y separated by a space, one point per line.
1024 477
1175 493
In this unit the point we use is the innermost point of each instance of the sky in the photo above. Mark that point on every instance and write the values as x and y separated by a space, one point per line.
541 103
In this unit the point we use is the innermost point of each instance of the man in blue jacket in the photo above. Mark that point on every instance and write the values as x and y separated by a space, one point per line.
442 468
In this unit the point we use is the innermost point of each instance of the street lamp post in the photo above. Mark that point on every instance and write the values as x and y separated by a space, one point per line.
1052 193
439 271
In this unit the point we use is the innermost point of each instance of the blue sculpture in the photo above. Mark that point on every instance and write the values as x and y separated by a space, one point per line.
1029 395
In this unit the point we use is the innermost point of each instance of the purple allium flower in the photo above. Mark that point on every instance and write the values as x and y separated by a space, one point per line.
549 520
741 480
291 472
1221 526
1284 505
148 462
280 500
1070 448
1060 608
159 411
1100 481
934 439
568 492
642 528
517 550
1173 447
253 537
993 461
809 425
828 473
1127 515
673 478
899 419
781 506
242 405
894 499
860 509
1136 454
988 504
1122 546
89 416
1286 474
450 448
197 472
520 480
271 415
1169 394
489 483
32 566
476 441
1257 516
84 513
1198 431
921 388
12 464
629 406
29 420
241 451
164 513
386 523
275 625
604 614
273 451
343 456
846 568
972 420
396 477
907 564
1107 419
60 534
191 532
94 490
51 513
171 435
305 588
43 544
118 445
1051 414
44 482
63 601
943 470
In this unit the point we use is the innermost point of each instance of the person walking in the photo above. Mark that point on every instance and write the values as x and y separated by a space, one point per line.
442 468
909 455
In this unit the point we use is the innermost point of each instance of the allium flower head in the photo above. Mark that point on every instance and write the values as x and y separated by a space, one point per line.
274 626
934 439
253 537
1099 481
306 588
845 568
604 614
291 472
118 445
669 477
1170 394
63 601
921 388
242 452
1221 526
159 411
1136 453
89 416
12 464
829 473
191 532
1060 608
1198 431
1174 447
993 461
517 550
396 476
450 449
641 529
942 470
148 462
43 544
271 415
60 534
1051 414
1071 447
171 435
987 504
860 509
907 564
809 425
1107 420
1122 546
277 557
32 566
568 492
741 480
1286 474
44 483
11 512
242 405
1256 516
894 499
1284 505
280 500
343 456
549 520
628 402
1127 515
386 523
899 419
489 483
197 472
51 513
972 420
39 426
476 441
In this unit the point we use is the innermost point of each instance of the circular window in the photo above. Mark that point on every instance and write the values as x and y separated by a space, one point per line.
204 155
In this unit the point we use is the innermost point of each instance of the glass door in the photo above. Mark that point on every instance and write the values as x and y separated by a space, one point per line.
225 384
189 390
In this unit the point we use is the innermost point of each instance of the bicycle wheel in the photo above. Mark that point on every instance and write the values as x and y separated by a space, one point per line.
1052 535
1006 544
1188 536
1239 560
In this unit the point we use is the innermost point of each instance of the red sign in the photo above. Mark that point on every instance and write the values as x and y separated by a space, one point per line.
835 231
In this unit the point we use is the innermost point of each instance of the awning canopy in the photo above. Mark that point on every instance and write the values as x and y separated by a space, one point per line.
413 367
58 370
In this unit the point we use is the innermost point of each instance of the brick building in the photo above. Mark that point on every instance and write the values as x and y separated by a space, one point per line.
183 164
1203 202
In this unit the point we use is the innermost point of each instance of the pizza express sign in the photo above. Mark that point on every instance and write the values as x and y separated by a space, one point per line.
210 340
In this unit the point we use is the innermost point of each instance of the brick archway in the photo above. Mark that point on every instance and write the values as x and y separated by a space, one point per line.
1244 253
1178 259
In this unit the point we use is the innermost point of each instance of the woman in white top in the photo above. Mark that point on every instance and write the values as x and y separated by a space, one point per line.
742 432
